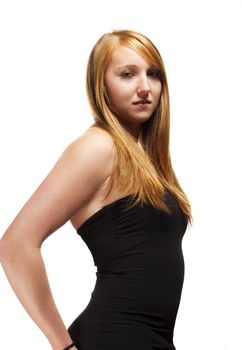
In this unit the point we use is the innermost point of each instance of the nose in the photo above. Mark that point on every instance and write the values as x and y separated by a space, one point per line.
143 88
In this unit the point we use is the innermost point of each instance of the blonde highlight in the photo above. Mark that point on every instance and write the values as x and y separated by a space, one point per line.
143 168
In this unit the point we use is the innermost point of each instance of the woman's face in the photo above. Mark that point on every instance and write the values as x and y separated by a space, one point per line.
129 79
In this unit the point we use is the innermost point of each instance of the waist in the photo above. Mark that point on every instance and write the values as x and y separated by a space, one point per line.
126 293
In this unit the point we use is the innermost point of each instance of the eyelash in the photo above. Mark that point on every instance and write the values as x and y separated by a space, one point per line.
129 76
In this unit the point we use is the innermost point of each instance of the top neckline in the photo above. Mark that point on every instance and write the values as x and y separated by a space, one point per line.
101 210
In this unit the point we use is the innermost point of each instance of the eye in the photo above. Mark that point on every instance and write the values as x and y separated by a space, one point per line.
126 74
155 73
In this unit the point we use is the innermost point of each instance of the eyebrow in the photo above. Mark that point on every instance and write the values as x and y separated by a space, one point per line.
134 66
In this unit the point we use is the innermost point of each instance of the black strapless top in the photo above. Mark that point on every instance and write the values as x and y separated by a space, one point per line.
140 272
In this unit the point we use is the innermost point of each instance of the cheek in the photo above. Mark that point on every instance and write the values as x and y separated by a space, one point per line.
158 91
118 93
111 91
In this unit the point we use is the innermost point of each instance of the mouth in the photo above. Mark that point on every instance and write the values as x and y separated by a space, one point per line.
143 102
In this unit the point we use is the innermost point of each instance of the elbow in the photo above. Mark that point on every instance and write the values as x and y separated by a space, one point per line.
5 249
9 249
0 250
12 249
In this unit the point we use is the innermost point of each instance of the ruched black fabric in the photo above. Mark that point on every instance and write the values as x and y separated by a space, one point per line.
140 273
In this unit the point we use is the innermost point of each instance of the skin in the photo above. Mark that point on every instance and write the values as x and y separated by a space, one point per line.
78 179
129 78
75 180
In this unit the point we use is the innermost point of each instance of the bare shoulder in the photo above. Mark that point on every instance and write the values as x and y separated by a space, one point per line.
94 141
79 173
98 133
90 161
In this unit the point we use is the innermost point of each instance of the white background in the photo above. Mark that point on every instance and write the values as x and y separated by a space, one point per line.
44 49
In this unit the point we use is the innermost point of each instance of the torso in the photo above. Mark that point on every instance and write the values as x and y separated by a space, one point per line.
97 201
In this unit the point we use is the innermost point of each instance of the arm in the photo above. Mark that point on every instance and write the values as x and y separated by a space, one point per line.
76 176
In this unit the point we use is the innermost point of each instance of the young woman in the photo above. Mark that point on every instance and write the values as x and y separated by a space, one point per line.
116 185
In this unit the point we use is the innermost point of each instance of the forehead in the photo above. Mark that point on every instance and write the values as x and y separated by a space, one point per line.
124 56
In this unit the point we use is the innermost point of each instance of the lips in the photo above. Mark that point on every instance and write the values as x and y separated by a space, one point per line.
142 102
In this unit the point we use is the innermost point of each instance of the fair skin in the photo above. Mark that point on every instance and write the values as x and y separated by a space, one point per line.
129 78
74 180
79 180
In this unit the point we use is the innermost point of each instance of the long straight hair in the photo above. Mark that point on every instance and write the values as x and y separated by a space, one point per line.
144 167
